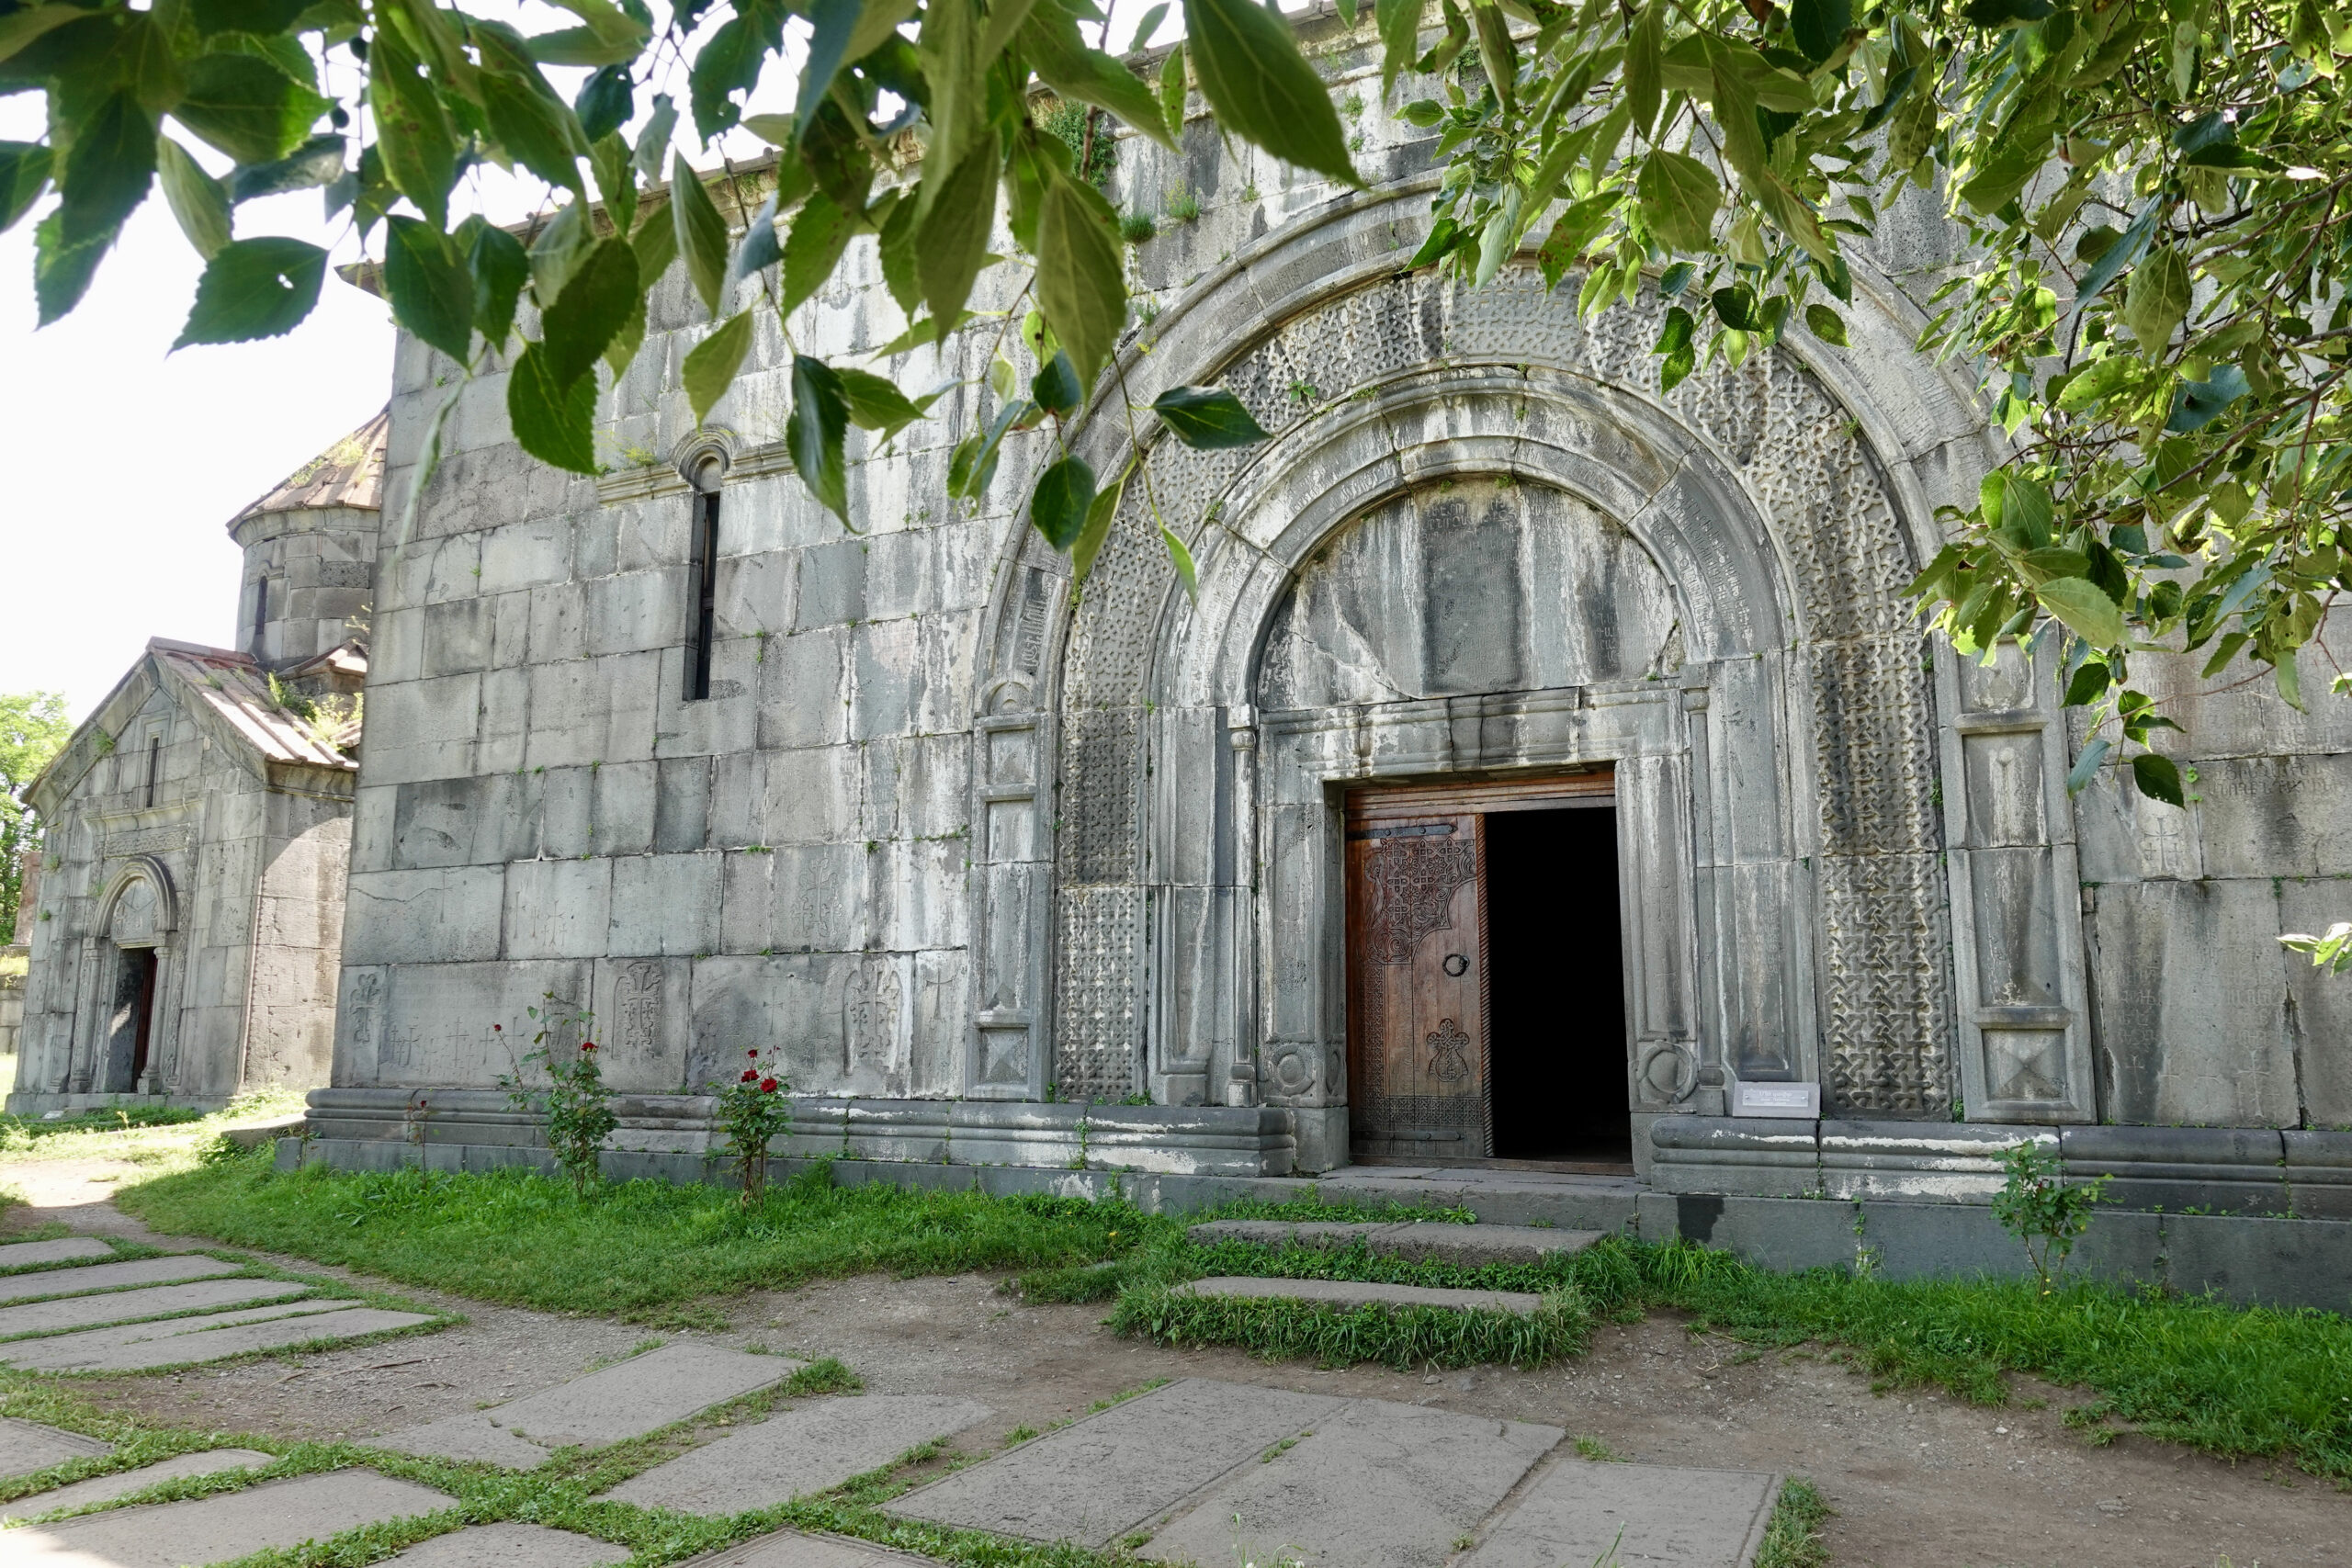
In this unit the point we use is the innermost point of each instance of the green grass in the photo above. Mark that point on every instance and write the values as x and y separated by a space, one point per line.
1792 1535
645 1251
2236 1382
148 1134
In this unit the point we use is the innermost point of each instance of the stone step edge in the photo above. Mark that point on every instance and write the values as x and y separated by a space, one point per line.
1348 1295
1406 1239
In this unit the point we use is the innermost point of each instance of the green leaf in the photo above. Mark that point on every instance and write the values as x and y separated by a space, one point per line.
1644 46
2156 300
702 232
498 265
1819 26
2085 610
710 366
1082 278
616 180
2086 766
2006 13
1056 388
656 243
254 288
1678 197
821 235
1172 91
1148 24
24 175
2200 403
62 271
1100 515
318 162
415 137
1252 75
819 421
20 27
2119 252
532 130
1057 507
895 248
952 235
1182 559
1400 24
973 463
593 306
1063 62
2026 513
196 199
653 140
2089 683
1826 324
559 249
876 404
260 18
2157 778
432 292
246 107
108 170
554 421
1207 417
605 103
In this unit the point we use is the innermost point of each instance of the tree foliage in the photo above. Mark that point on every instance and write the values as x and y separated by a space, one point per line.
2148 194
33 728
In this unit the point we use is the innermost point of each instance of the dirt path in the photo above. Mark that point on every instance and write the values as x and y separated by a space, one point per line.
1916 1479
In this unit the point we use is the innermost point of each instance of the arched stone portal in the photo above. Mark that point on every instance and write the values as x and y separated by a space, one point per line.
1161 888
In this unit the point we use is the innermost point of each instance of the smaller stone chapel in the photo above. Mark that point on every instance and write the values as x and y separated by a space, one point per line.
186 914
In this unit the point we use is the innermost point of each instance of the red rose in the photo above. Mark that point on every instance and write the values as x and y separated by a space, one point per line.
587 1045
767 1086
748 1075
750 1052
498 1029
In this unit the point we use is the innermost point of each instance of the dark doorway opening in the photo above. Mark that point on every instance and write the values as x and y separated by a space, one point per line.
1556 987
131 1028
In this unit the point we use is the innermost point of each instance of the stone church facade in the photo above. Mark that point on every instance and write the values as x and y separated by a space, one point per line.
1546 769
185 924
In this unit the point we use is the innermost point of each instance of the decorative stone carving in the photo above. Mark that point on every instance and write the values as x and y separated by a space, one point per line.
1884 1017
703 454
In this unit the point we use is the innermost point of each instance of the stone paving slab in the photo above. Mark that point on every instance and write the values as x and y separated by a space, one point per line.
157 1300
215 1530
27 1446
64 1249
813 1448
1348 1293
618 1402
791 1548
211 1338
107 1488
111 1276
511 1545
1376 1484
1653 1516
1121 1469
1431 1239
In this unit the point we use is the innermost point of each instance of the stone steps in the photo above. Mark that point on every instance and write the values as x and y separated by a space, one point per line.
1349 1295
1419 1240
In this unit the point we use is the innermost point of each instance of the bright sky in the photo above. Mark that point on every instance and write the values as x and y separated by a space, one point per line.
121 462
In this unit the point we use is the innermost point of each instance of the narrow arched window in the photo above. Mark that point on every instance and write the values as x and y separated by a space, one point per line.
154 765
702 594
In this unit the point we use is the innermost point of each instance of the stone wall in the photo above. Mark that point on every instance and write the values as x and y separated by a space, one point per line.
949 827
232 879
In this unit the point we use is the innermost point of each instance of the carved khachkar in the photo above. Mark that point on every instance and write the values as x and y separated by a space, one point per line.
1885 997
636 998
1413 884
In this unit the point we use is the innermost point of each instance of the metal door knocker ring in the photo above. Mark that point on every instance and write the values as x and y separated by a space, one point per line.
1456 964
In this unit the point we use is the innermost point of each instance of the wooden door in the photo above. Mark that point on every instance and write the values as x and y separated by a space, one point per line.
1417 1034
